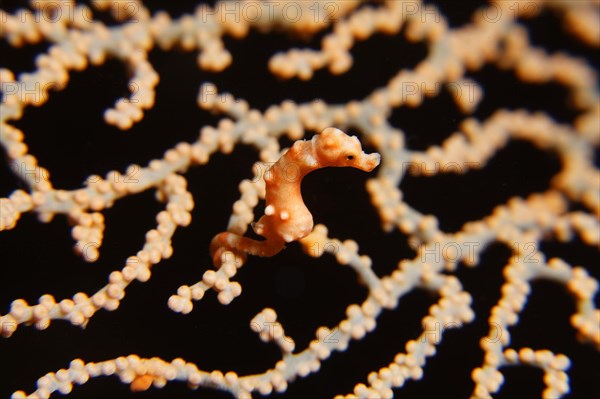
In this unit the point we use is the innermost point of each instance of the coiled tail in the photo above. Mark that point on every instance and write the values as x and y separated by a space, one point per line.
241 246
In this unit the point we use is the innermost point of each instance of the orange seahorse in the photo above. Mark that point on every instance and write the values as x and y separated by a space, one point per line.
286 217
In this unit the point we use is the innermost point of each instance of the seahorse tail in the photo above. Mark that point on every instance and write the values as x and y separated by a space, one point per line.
241 246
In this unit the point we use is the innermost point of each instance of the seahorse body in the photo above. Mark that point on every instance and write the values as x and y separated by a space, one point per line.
286 217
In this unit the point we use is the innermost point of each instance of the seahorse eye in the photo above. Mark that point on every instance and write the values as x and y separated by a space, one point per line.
350 157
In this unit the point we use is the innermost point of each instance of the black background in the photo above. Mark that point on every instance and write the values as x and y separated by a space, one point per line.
69 137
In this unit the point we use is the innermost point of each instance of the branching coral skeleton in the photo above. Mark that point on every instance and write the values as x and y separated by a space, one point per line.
78 42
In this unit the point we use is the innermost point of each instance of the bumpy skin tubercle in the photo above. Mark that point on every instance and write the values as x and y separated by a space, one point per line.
286 217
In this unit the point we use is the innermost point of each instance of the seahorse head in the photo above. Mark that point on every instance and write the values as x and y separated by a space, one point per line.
335 148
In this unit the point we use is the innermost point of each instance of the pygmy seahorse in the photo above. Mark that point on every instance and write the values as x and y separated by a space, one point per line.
286 217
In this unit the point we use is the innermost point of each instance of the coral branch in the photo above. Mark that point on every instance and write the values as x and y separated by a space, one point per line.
567 210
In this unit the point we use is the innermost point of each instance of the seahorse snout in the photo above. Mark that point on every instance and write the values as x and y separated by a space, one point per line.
371 161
